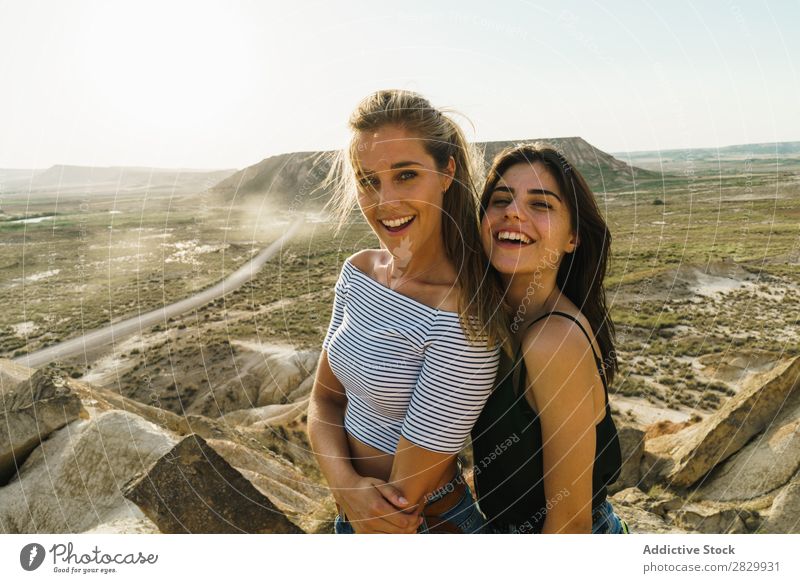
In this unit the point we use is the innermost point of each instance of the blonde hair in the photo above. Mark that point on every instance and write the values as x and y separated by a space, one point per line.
481 300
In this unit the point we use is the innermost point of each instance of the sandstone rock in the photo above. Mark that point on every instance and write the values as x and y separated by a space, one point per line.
71 483
267 375
631 441
711 519
784 516
12 374
665 427
627 505
303 390
193 489
29 413
765 464
126 525
283 373
268 415
306 502
681 459
655 502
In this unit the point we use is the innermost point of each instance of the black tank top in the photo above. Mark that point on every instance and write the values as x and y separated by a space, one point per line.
507 446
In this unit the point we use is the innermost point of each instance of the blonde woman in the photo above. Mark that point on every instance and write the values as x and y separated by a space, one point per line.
411 352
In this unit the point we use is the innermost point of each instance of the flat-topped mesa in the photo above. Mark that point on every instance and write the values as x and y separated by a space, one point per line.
292 180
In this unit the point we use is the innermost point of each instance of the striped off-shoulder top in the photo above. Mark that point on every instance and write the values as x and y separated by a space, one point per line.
407 368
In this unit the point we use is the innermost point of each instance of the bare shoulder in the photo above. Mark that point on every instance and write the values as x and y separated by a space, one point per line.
366 260
556 332
550 337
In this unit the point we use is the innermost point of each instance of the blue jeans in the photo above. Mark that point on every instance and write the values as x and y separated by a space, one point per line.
465 515
604 521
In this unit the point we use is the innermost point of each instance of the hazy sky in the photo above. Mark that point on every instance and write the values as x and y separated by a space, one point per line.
203 84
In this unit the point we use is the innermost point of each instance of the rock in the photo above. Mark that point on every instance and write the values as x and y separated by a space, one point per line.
665 427
305 502
631 441
266 375
657 461
141 525
31 411
681 459
283 374
710 519
303 390
193 489
764 465
784 516
752 523
627 505
12 374
268 415
658 502
71 483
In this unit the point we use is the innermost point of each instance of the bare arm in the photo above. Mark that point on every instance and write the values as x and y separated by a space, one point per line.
561 380
416 471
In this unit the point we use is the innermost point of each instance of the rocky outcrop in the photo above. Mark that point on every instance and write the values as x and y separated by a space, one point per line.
682 459
30 412
638 510
71 482
268 415
266 376
192 489
714 519
631 441
784 515
736 471
118 465
765 464
12 374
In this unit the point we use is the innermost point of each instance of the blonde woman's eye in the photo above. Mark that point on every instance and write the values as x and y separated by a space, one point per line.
367 182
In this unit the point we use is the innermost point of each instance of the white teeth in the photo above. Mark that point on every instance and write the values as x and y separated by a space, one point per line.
397 222
513 236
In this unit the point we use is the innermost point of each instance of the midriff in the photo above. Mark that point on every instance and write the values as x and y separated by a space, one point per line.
372 462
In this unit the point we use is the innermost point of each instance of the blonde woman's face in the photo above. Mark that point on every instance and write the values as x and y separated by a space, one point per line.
400 188
527 225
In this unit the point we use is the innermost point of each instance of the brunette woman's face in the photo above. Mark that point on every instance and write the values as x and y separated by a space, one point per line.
527 225
400 188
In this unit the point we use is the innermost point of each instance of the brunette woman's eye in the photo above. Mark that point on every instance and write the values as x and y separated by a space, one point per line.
541 204
406 175
499 201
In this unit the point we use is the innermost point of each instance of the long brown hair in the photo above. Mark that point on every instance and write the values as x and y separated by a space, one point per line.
480 301
582 272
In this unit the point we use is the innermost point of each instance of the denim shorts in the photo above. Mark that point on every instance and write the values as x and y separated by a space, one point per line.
604 521
465 515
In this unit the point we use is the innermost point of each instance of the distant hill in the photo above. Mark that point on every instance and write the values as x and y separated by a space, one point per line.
109 180
788 149
292 179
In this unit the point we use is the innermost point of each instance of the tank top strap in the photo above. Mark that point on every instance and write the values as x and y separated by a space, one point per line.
571 317
597 359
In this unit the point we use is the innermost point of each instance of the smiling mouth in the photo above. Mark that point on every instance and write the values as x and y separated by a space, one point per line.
397 225
513 238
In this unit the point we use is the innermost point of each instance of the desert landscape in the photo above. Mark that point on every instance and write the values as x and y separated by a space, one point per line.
124 435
